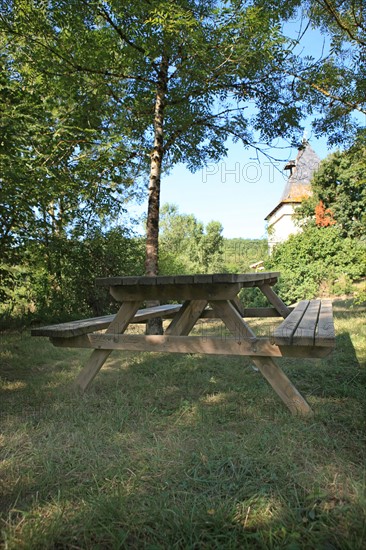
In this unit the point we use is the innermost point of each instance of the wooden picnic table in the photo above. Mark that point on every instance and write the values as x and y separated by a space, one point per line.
307 330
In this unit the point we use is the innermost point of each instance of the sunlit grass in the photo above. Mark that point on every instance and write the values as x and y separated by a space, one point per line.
181 451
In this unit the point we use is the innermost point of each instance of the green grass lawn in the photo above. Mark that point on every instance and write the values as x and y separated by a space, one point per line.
174 451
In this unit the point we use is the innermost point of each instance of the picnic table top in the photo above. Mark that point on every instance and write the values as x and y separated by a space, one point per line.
215 278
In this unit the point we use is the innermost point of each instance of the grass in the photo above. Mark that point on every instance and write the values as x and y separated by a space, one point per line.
174 451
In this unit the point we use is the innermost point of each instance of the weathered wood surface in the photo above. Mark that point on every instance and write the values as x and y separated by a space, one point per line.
98 357
198 291
232 319
75 328
247 312
137 342
220 278
275 300
85 326
187 317
309 324
325 334
185 344
282 386
306 329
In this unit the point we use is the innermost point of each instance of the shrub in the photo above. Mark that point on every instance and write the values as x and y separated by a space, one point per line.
315 256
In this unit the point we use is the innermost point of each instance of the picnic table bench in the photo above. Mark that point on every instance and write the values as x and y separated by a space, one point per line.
306 331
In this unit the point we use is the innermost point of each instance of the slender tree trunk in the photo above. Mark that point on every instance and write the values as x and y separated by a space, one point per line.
154 326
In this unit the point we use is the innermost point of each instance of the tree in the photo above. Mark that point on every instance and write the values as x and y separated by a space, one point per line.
187 245
317 256
334 83
340 185
179 78
60 170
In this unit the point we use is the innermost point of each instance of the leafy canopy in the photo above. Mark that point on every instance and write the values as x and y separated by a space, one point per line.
340 184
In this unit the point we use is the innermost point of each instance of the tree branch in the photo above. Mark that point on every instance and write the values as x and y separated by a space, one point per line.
329 7
327 93
104 13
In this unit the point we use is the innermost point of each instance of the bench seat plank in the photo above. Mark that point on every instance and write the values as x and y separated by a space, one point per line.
325 335
309 324
84 326
305 332
284 333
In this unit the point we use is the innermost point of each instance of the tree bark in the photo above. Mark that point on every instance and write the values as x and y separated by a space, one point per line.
154 326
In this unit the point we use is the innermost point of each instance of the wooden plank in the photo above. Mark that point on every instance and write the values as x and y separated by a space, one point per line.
157 311
220 278
284 388
305 331
237 303
130 280
148 280
74 328
162 293
81 341
232 319
245 278
275 300
84 326
98 357
206 279
183 279
258 346
248 312
283 334
185 344
325 334
163 280
185 320
306 352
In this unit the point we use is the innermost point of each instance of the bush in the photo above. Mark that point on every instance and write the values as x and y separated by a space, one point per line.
313 257
56 282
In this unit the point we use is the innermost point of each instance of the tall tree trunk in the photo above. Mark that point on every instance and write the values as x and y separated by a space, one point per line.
154 326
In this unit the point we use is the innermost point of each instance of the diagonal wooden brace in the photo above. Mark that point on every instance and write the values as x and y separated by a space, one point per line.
99 356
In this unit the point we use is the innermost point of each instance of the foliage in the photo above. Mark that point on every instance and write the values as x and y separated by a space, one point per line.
316 255
187 246
98 97
59 174
334 82
127 89
340 184
240 254
57 282
17 293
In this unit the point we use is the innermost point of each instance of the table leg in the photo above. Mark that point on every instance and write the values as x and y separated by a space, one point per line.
186 318
275 300
266 365
233 320
99 356
282 386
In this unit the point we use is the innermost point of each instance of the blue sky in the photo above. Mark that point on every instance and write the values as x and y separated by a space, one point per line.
238 191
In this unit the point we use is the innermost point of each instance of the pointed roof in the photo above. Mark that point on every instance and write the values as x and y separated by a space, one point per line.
298 185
